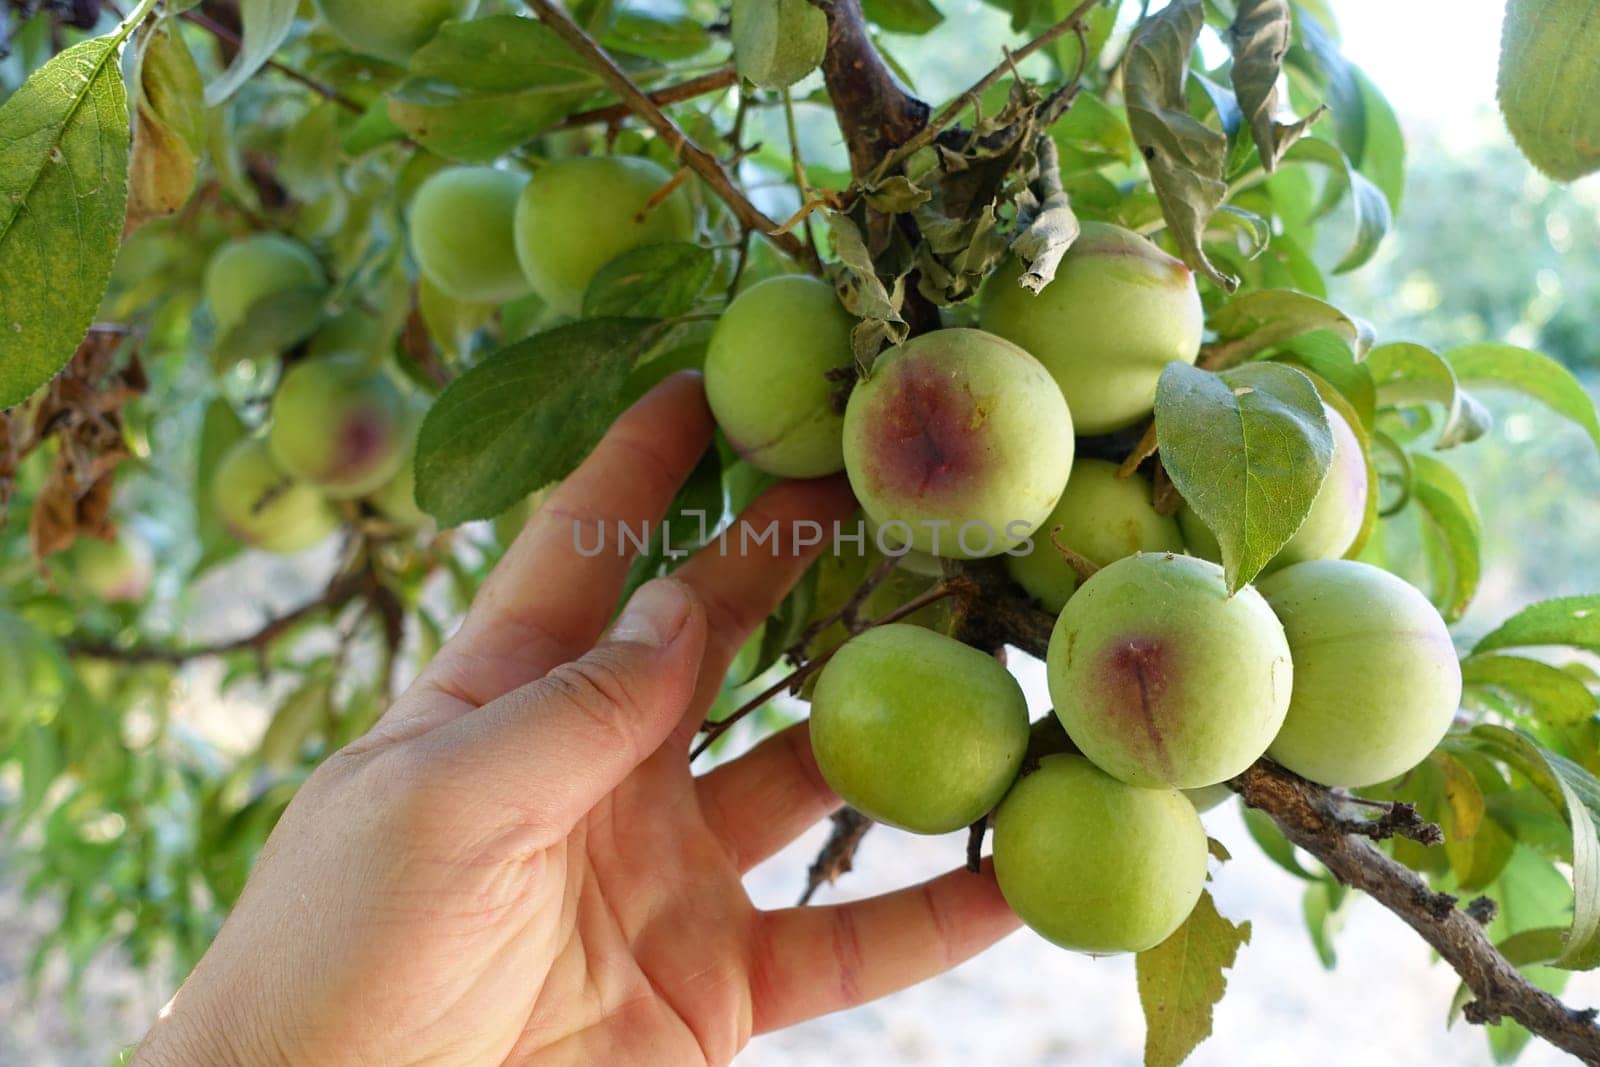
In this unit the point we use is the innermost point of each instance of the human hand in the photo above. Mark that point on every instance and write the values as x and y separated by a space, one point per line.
516 863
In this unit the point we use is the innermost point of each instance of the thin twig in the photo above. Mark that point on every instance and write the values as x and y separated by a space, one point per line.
793 679
795 159
721 78
703 163
953 110
838 854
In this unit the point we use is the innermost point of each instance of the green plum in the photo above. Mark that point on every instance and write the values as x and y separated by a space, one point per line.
958 444
339 426
1117 312
115 571
1208 797
463 227
926 765
767 376
577 215
1102 518
1095 865
390 29
1337 512
243 273
396 499
777 42
1161 678
352 330
262 506
1377 681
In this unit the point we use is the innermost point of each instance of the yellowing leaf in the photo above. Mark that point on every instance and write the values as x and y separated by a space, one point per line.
168 126
1181 981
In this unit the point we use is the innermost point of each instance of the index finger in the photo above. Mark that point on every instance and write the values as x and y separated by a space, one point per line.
551 596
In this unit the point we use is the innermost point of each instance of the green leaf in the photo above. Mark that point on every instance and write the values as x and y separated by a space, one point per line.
1549 80
659 281
523 418
63 194
1260 38
1186 158
1577 792
1530 373
1383 147
1248 450
778 42
1453 517
1371 213
1549 693
220 430
483 87
664 37
902 16
266 26
1256 321
273 325
1278 849
1181 980
1322 905
1410 374
1573 621
301 715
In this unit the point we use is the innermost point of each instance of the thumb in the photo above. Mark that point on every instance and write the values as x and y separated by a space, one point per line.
561 743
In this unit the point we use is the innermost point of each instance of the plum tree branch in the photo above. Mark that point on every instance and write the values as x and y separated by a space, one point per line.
339 593
876 113
721 78
703 163
1308 815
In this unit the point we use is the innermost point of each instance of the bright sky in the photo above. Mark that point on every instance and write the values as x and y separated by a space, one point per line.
1434 59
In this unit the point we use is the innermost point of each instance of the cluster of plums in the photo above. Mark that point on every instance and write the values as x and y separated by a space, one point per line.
341 427
960 443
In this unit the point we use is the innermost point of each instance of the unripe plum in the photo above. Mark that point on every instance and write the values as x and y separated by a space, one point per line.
339 426
1376 678
396 499
577 215
243 273
1208 797
262 506
1095 865
767 375
390 29
117 571
1337 511
1102 518
352 330
463 227
1117 312
1161 678
916 729
958 444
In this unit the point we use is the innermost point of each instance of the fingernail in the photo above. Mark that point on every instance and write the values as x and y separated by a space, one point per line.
654 616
